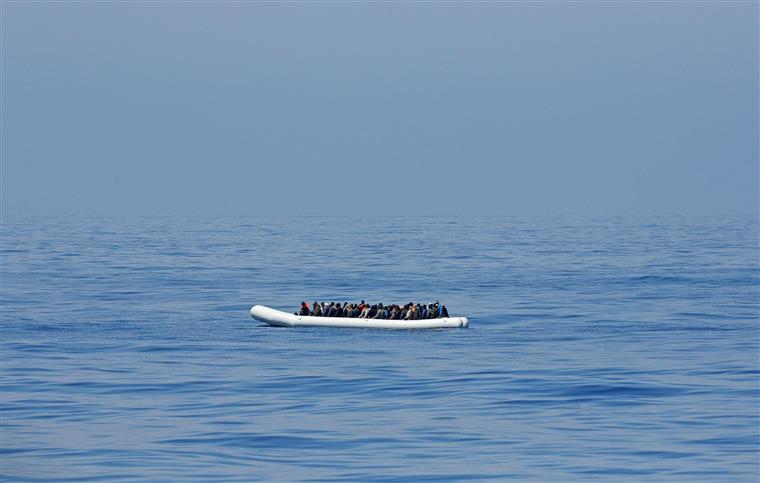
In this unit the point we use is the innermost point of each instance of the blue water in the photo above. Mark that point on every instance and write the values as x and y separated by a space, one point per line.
607 349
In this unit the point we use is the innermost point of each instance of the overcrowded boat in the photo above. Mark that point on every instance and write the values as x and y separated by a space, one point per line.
362 315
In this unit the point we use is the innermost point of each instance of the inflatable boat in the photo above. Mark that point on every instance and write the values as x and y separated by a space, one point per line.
283 319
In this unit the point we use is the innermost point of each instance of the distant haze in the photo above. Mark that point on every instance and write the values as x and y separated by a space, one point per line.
119 108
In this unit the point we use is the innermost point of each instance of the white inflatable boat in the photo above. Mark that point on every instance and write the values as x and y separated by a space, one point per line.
283 319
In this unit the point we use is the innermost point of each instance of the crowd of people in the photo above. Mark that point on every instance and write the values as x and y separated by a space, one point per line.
362 310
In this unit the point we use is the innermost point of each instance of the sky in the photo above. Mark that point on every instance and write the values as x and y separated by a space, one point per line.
419 108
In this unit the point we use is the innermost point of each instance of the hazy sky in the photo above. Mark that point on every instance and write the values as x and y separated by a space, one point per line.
382 108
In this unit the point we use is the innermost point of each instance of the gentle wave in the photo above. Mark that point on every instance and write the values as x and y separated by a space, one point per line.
596 352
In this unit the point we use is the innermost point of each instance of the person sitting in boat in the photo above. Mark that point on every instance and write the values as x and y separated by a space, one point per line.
409 312
364 314
304 309
379 311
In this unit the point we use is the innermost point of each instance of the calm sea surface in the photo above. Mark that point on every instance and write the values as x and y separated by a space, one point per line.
610 349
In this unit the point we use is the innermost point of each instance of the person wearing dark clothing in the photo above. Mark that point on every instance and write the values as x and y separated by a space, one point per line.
379 312
304 309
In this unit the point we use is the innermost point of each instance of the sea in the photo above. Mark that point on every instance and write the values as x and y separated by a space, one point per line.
599 349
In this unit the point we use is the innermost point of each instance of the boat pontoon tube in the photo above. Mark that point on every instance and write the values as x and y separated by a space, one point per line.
284 319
